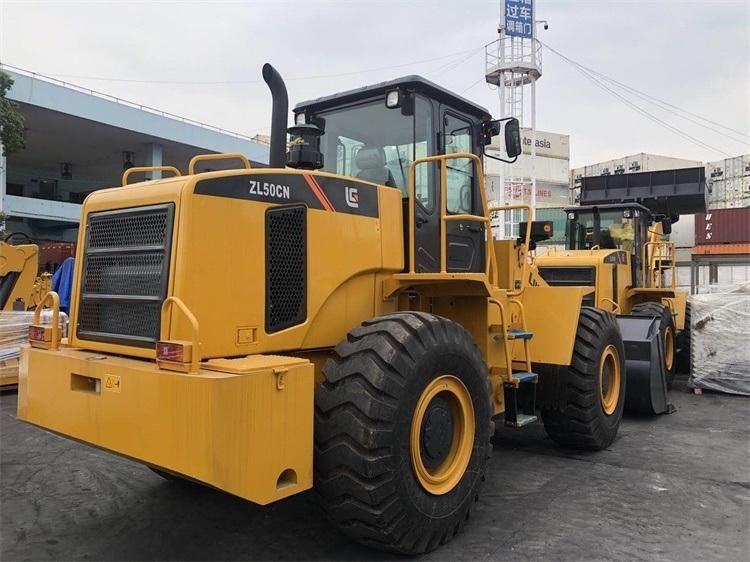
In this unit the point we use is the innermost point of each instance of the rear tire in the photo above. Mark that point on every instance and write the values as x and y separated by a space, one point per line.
683 355
586 399
390 372
667 333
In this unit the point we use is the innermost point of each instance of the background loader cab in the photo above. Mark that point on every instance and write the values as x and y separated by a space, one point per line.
613 227
376 133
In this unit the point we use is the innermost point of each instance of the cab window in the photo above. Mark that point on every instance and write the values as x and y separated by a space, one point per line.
371 142
457 134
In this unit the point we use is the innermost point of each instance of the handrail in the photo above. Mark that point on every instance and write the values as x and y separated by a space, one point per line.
490 265
654 252
526 241
126 173
55 306
526 351
222 156
195 359
508 357
615 307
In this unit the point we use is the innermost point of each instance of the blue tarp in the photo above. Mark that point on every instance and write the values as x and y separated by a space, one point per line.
62 283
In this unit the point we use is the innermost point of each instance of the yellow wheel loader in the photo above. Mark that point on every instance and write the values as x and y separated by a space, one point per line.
21 286
621 250
342 319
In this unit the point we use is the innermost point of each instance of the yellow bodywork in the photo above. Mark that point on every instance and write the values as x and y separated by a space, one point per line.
243 419
613 288
29 288
235 425
19 265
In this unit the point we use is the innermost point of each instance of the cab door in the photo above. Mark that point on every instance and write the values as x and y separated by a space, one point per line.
465 239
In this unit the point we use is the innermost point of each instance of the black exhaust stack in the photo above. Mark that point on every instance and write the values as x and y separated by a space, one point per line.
279 115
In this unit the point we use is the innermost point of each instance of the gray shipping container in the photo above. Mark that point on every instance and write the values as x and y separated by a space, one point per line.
728 183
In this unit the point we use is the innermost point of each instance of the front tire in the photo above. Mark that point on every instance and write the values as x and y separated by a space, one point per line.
402 429
666 332
584 402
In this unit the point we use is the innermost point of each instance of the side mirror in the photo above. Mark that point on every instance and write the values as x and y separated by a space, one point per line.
513 138
666 225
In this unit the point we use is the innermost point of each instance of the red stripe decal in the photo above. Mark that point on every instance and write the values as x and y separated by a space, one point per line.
318 191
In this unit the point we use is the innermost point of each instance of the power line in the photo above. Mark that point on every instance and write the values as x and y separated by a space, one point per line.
675 110
227 82
671 108
638 108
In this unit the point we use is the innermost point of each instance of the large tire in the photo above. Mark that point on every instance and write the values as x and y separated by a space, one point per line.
667 333
683 353
588 395
371 483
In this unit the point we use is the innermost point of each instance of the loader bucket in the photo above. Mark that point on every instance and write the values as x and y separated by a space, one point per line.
646 388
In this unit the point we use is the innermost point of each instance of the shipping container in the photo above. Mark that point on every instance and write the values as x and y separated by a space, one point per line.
728 183
552 170
723 226
683 232
548 145
641 162
52 254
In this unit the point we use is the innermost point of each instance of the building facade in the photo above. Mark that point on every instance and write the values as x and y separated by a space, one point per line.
79 140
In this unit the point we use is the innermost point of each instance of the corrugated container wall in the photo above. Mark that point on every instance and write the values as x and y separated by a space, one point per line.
728 183
723 226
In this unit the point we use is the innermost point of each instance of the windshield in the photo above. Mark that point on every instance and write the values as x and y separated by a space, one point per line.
377 144
612 231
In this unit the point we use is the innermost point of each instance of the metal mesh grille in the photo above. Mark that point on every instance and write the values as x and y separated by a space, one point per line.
286 267
127 230
136 321
125 275
120 274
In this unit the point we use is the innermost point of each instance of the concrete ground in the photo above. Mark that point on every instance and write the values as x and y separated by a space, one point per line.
673 487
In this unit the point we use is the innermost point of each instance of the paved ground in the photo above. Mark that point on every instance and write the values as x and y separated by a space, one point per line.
670 488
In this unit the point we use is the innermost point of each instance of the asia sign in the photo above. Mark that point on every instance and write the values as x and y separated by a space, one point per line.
519 18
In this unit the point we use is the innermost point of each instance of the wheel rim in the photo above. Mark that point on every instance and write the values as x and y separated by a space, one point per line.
442 434
668 348
609 379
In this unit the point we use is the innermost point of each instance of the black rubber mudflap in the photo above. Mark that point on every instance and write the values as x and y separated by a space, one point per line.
644 365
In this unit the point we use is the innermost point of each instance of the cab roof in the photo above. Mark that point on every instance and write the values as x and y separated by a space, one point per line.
412 83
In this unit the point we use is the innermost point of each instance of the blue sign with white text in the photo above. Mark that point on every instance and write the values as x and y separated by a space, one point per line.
519 18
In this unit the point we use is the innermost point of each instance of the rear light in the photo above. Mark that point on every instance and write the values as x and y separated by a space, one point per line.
168 351
40 336
175 355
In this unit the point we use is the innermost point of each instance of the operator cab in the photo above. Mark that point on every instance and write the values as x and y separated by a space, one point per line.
375 133
609 227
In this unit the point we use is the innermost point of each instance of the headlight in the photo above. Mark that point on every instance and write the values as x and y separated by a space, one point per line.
392 99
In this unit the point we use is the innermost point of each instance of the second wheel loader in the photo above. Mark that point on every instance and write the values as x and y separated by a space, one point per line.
617 243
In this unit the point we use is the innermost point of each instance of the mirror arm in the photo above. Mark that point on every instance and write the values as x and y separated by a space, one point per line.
499 159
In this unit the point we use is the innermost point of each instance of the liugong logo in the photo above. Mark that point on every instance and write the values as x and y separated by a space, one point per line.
352 197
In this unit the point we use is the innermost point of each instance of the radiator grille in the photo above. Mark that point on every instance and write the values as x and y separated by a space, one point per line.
125 275
568 276
286 267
